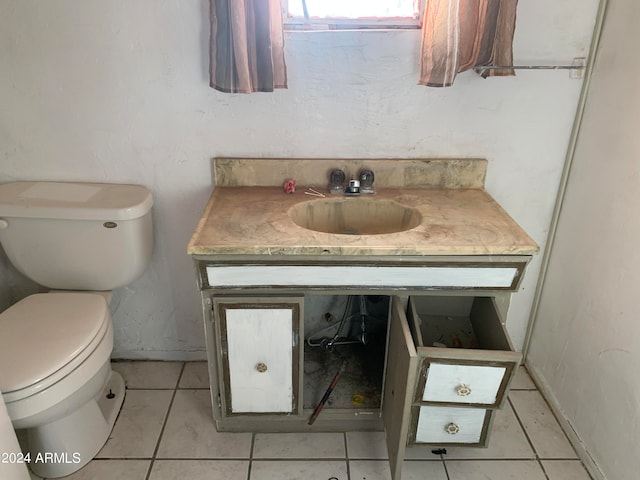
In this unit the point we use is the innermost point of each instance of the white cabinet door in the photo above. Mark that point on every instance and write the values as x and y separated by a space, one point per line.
259 355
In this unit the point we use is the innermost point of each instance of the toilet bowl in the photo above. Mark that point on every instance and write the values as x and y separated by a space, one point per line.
81 240
56 377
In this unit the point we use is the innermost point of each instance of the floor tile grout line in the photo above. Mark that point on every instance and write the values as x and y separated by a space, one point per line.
206 387
538 457
524 430
555 416
494 459
252 446
205 459
164 424
175 459
180 375
544 471
444 465
346 446
346 455
251 450
167 388
302 459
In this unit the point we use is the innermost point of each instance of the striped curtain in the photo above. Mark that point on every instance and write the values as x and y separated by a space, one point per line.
458 35
247 46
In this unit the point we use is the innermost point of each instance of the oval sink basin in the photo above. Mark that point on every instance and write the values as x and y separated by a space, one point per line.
355 216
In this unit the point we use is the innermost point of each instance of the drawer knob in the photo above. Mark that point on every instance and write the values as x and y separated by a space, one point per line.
463 390
452 428
261 367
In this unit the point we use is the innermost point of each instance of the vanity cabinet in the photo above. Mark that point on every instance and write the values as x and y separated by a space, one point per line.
436 366
431 361
259 354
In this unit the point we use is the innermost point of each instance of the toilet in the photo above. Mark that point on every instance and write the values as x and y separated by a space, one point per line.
80 241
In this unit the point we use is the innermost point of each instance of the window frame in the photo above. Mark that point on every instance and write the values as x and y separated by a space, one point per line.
323 24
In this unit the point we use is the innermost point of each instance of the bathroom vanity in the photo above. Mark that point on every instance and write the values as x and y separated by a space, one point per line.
299 291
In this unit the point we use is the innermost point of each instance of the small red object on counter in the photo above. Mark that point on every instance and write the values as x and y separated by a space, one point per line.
290 186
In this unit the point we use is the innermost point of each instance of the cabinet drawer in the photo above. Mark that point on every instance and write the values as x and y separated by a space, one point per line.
466 355
439 275
450 425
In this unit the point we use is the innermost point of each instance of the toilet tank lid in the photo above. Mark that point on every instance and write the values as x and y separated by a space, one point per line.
74 201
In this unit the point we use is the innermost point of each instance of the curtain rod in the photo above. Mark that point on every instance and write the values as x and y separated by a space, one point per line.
532 67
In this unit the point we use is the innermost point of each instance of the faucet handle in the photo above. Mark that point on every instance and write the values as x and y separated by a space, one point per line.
366 178
336 180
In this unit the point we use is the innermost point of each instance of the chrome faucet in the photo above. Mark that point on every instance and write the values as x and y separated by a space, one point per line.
353 188
362 185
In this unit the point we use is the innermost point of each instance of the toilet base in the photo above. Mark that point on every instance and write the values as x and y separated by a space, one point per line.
66 445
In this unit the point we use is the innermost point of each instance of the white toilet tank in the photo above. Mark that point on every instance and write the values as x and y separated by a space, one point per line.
77 236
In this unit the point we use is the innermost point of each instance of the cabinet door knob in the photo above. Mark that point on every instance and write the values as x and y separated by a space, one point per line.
463 390
452 428
261 367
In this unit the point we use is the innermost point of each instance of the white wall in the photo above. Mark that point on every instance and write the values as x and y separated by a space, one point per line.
117 91
586 342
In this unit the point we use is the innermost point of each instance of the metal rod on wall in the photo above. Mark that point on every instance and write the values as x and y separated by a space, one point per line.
532 67
579 63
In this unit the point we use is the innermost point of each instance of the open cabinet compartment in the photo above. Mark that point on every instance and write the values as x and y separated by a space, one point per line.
361 363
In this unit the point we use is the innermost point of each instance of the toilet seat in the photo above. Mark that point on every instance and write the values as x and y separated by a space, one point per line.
46 336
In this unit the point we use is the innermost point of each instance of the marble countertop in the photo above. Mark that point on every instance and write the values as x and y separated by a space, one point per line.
253 220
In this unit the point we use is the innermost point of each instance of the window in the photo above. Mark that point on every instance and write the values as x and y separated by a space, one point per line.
351 14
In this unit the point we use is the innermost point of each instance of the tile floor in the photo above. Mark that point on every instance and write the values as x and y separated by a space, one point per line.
165 431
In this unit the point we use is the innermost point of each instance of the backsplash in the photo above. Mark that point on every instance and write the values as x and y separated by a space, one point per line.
399 173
